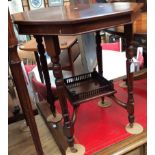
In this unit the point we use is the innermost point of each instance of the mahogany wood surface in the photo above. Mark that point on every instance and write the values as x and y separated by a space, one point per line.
52 41
50 96
71 20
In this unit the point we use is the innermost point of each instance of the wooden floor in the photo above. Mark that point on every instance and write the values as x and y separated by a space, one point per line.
21 143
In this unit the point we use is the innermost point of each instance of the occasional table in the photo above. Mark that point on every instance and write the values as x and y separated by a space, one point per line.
73 20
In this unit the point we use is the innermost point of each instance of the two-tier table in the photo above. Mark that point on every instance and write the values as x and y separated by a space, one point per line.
50 22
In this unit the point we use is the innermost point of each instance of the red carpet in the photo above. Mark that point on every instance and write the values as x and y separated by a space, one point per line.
97 128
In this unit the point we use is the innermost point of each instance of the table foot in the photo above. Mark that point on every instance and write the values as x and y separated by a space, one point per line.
135 128
53 119
104 104
78 149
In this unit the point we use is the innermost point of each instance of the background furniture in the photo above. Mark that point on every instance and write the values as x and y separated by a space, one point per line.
85 19
70 52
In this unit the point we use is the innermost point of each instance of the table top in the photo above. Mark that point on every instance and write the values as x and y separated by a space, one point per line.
75 19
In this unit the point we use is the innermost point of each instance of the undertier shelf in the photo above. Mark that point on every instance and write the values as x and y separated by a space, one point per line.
87 86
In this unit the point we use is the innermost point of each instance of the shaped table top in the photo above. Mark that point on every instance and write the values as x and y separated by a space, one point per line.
76 19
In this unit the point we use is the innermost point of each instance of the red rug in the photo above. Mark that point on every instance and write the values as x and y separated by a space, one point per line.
97 128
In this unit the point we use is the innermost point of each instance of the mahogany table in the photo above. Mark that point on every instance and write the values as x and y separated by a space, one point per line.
50 22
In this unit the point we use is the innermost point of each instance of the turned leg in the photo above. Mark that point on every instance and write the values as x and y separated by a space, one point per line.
53 49
99 52
130 102
99 55
129 68
99 60
50 96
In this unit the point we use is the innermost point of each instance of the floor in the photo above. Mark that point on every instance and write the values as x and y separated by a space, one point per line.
21 143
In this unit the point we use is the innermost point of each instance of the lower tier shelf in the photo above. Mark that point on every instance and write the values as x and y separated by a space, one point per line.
82 88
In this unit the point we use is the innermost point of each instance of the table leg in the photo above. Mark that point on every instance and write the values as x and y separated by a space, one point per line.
17 73
99 52
50 96
53 49
129 55
99 58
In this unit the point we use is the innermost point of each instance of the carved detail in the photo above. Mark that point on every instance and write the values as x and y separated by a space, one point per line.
50 96
130 102
54 51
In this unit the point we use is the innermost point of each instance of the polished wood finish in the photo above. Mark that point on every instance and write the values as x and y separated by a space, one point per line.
128 30
52 41
50 96
88 86
70 20
20 84
75 20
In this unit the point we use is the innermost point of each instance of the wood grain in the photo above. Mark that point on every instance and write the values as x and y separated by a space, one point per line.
20 143
69 20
